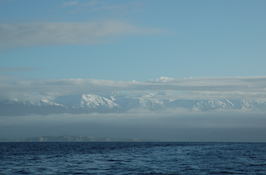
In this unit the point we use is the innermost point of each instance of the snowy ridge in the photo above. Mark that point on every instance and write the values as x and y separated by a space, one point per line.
144 101
32 103
213 104
87 103
94 101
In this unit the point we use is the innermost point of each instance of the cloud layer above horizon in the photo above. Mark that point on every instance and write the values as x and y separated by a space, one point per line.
170 125
242 88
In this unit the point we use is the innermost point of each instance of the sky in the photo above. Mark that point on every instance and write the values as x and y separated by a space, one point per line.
191 49
132 40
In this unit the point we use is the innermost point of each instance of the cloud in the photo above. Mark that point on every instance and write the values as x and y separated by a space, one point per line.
91 3
172 118
105 7
43 34
100 5
178 125
69 3
109 7
17 69
163 79
243 88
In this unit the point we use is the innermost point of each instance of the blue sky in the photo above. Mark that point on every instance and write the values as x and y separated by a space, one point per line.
138 40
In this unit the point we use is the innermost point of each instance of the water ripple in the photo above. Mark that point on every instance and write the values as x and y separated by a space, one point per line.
132 158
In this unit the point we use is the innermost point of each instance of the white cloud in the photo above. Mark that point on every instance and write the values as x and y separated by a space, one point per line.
244 88
42 34
178 125
163 79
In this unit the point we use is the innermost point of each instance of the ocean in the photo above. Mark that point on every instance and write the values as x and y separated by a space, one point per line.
132 158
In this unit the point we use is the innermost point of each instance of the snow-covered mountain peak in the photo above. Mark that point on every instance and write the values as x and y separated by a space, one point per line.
213 104
94 101
35 102
86 101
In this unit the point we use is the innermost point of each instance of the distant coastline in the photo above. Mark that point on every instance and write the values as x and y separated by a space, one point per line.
69 138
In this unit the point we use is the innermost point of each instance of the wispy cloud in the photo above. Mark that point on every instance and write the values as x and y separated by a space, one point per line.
42 34
17 69
106 7
109 7
91 3
244 88
69 3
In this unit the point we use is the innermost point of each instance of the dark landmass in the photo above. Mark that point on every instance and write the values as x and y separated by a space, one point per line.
67 138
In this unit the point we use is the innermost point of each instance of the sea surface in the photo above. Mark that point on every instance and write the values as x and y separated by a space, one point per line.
132 158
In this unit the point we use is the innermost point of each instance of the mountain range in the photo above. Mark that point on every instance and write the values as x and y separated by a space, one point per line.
88 103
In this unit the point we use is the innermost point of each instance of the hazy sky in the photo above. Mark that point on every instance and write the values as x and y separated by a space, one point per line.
195 49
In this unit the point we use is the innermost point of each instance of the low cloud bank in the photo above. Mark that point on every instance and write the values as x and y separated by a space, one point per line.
242 88
171 125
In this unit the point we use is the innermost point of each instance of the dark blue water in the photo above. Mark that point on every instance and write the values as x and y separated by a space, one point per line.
132 158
